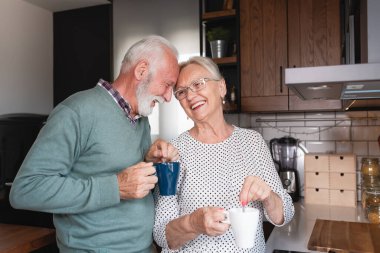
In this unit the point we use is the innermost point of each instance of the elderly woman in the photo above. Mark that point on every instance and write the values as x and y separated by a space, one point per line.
222 166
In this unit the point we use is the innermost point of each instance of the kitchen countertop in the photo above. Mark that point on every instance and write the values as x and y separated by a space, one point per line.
295 235
20 239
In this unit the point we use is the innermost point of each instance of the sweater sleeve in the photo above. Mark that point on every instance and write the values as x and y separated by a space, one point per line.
43 182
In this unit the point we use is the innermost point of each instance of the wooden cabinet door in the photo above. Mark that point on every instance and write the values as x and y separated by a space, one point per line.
263 55
314 40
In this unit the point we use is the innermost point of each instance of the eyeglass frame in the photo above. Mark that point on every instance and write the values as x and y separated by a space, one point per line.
203 80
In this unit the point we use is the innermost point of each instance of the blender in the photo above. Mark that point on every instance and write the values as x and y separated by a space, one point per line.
284 154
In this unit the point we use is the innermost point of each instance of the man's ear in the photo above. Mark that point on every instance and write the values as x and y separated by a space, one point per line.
141 70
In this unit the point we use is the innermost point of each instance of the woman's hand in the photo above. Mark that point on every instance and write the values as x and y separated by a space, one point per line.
254 188
207 220
162 151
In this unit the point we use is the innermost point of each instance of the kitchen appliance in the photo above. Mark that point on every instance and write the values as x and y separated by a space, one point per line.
284 153
347 81
287 251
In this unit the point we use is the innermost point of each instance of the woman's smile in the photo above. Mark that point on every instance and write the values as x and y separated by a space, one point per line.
198 105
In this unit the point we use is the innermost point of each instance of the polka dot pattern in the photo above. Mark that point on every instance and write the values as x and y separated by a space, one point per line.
212 175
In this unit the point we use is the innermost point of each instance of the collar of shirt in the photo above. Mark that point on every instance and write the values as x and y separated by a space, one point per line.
123 104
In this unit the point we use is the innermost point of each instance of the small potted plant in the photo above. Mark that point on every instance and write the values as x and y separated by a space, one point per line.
218 38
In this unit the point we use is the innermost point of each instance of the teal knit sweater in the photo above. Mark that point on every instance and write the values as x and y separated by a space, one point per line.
71 169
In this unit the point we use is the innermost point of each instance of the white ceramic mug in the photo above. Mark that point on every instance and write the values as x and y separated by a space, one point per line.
244 225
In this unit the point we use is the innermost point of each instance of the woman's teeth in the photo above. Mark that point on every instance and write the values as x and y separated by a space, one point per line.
197 104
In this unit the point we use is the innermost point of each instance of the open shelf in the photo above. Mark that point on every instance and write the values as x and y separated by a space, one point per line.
218 14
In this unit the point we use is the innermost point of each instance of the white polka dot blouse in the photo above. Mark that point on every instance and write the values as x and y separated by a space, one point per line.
212 175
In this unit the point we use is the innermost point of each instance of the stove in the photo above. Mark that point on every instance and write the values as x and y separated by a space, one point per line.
287 251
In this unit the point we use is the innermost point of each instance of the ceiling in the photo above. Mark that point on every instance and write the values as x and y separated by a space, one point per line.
63 5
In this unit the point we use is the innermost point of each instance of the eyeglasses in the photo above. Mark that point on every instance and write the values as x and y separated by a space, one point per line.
195 86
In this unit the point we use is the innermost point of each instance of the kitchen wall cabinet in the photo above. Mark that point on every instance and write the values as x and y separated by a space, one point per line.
277 34
225 14
263 47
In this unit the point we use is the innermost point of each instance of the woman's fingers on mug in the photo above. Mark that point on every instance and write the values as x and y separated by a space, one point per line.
212 217
216 227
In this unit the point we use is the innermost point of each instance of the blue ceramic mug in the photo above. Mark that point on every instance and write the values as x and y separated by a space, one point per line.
167 174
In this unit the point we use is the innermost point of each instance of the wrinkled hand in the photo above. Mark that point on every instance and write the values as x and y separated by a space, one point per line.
254 188
207 220
136 181
162 151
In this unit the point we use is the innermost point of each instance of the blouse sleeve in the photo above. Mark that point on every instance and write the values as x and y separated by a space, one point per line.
271 177
167 209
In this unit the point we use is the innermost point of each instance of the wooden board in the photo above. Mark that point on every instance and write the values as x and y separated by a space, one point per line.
23 239
344 237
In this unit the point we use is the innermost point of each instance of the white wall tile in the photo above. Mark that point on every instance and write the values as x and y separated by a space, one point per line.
360 148
320 115
374 118
359 122
373 122
373 148
343 122
258 129
289 122
320 146
352 114
343 147
232 119
269 117
346 118
305 133
270 133
369 133
358 118
335 133
317 116
245 120
373 114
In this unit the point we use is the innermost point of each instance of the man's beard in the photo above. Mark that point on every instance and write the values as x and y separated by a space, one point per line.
145 99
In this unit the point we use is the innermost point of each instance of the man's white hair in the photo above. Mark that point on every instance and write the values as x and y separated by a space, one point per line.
151 48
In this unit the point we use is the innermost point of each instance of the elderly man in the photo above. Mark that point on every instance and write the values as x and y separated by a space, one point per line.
91 165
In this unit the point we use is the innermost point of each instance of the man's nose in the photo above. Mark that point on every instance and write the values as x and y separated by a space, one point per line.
168 95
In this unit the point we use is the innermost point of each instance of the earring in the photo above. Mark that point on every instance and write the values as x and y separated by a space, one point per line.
223 101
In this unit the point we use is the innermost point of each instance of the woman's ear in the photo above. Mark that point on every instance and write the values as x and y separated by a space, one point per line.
222 87
141 70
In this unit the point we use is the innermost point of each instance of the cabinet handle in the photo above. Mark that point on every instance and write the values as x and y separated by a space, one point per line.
8 184
281 79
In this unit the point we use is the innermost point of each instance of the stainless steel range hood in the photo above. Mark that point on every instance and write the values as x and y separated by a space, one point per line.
347 82
351 81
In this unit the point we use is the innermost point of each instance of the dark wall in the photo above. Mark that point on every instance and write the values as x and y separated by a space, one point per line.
82 49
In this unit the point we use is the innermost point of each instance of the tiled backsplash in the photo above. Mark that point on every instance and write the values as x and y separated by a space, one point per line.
328 132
